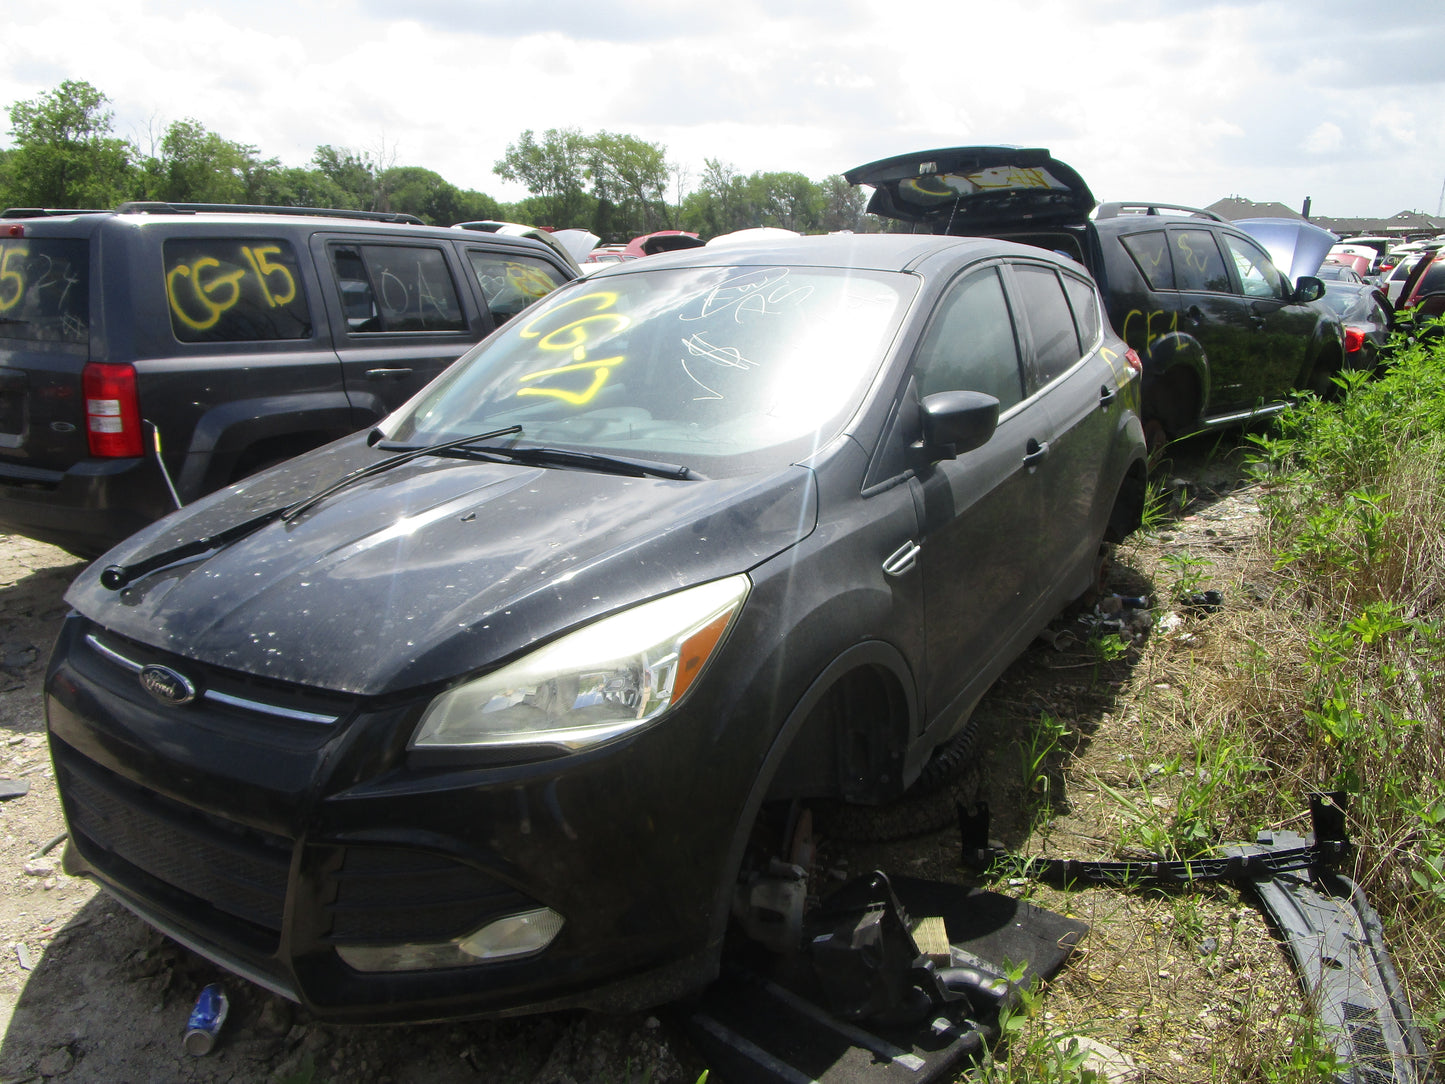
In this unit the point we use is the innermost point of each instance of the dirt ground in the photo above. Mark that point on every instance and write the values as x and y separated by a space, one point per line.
90 993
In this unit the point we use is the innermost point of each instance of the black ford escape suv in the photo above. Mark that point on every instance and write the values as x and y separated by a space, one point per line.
155 353
1224 336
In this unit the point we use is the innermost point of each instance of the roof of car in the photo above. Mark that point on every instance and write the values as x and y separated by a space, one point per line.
874 251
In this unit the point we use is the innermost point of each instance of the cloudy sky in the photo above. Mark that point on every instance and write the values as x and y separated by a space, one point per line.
1182 101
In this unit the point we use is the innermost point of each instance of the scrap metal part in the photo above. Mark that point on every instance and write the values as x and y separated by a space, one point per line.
1332 934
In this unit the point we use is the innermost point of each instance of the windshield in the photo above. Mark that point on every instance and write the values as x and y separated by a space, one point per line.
709 367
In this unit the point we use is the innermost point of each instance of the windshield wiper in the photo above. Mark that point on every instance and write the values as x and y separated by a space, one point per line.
566 457
114 577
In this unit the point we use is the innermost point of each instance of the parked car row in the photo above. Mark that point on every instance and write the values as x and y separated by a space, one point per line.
475 708
1224 336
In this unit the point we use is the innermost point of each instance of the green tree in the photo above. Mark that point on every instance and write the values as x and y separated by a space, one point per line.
843 205
294 186
65 154
416 191
717 204
629 181
554 172
198 166
354 175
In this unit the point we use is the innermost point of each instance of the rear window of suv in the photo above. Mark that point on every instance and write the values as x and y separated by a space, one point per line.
234 290
45 289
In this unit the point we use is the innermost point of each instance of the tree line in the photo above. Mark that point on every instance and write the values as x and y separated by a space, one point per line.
65 153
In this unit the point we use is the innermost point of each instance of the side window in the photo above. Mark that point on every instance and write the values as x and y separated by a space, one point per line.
971 345
511 283
396 288
234 290
1197 262
1084 300
1150 252
1256 274
1056 341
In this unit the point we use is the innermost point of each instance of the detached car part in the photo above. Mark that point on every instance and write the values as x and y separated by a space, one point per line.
1333 936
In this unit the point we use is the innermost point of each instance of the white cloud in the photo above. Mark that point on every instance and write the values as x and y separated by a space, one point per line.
1161 99
1325 138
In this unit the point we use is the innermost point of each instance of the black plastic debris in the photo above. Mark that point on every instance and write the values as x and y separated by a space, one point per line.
1337 945
14 788
1332 934
1202 602
862 1005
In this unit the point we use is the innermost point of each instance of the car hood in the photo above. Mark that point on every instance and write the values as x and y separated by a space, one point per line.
976 190
1296 247
433 569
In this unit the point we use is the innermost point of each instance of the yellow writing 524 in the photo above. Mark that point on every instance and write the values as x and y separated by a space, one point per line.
200 292
12 278
561 331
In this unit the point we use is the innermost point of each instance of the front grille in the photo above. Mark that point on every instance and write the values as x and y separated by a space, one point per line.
287 716
237 870
391 894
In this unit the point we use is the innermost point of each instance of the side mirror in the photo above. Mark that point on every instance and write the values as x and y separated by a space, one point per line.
955 422
1308 288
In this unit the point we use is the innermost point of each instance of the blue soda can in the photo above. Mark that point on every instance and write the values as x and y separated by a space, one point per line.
206 1020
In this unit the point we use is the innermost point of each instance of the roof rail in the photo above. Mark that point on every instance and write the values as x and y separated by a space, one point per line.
44 212
140 207
1118 210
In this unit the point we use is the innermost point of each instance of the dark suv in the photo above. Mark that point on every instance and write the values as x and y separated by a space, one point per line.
1224 336
154 353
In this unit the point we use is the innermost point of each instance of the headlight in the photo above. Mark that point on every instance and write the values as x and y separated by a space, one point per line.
593 684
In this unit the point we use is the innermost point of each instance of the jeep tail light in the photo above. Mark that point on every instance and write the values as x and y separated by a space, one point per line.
12 229
112 410
1354 340
1131 359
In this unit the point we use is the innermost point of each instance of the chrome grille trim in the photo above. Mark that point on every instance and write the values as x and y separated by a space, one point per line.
259 707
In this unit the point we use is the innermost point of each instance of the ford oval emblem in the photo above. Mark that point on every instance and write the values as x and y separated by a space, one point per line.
167 686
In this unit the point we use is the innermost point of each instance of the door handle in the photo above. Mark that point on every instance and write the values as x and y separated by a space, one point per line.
1195 315
1258 322
388 374
1107 395
902 559
1035 453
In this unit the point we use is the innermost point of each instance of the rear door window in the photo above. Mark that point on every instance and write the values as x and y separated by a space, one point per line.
387 288
1056 340
45 290
1197 262
509 283
1084 300
234 290
1150 252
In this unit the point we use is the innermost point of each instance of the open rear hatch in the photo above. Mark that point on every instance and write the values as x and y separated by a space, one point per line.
976 191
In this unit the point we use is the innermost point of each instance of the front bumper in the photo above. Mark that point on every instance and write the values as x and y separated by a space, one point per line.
264 842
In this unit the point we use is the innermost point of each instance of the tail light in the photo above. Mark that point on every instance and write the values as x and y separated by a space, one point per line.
1131 359
112 411
1354 340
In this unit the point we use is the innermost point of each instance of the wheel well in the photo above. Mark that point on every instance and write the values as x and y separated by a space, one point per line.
1173 399
852 743
1321 381
273 450
1128 511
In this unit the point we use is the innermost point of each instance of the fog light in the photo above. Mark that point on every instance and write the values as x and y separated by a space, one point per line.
506 938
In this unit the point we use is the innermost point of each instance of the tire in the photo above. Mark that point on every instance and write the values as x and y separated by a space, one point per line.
927 806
